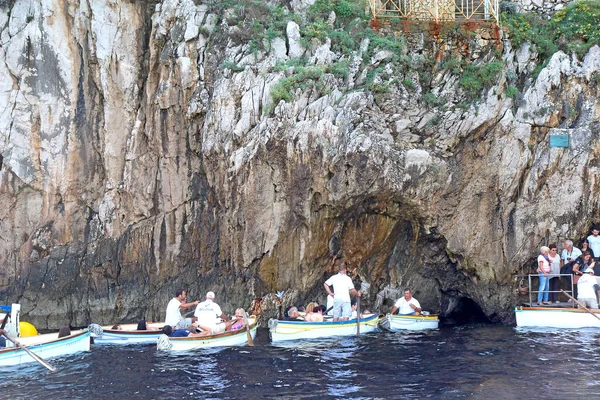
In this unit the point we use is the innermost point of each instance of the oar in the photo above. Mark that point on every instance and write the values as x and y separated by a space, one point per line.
250 342
582 306
31 353
358 315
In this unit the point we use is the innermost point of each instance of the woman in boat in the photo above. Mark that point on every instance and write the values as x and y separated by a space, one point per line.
239 323
316 315
554 283
543 270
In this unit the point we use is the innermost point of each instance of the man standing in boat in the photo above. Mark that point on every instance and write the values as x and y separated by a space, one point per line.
342 288
407 305
173 316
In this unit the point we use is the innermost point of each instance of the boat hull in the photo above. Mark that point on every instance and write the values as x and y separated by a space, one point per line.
410 322
46 346
566 318
293 330
128 335
229 338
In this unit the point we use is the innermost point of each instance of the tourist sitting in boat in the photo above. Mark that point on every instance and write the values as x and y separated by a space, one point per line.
342 288
585 289
170 332
239 319
143 326
316 315
64 331
173 316
117 327
210 317
407 305
292 314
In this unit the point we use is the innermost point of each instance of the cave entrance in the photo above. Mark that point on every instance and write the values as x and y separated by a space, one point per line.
466 311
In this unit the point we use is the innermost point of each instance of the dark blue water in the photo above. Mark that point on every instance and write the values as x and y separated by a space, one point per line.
479 361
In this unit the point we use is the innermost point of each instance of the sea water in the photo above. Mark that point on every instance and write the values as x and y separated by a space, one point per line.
472 361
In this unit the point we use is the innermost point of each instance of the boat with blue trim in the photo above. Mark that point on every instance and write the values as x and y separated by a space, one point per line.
291 330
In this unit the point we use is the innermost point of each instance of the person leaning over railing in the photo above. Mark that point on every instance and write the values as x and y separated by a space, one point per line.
543 270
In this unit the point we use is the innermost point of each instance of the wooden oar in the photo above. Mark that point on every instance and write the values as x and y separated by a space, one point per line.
31 353
358 315
250 342
582 306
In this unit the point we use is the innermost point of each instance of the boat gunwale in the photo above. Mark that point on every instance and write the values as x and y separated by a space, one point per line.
561 309
432 317
71 337
330 323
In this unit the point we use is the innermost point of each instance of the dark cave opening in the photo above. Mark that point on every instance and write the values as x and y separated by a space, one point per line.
465 311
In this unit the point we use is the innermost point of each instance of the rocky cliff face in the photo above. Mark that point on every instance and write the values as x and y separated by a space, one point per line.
151 145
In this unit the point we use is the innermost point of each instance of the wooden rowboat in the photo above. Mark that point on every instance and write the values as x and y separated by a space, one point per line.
291 330
409 322
554 317
47 346
229 338
128 334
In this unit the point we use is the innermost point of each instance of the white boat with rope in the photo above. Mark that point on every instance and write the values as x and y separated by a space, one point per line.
127 334
22 350
410 322
238 337
292 330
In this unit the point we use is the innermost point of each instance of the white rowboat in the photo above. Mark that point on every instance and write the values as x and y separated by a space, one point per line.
292 330
569 318
409 322
128 334
229 338
46 346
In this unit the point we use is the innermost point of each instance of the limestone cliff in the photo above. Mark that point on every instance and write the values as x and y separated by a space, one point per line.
151 145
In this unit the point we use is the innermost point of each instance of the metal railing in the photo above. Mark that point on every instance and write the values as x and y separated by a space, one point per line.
549 291
437 10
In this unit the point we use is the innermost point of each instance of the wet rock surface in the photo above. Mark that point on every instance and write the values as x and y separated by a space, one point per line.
143 152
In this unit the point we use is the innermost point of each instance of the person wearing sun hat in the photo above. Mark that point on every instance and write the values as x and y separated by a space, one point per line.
586 293
209 314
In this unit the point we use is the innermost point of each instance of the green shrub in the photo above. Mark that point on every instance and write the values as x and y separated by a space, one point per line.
301 78
476 77
512 92
232 66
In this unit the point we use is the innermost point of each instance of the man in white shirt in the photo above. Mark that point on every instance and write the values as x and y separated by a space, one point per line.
594 241
407 305
342 288
210 316
569 253
173 316
586 293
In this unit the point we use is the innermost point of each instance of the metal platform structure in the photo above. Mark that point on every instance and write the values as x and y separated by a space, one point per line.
437 10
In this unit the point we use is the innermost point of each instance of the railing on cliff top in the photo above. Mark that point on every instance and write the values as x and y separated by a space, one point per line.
437 10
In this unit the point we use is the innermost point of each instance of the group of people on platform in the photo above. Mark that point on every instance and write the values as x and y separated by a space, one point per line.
582 264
